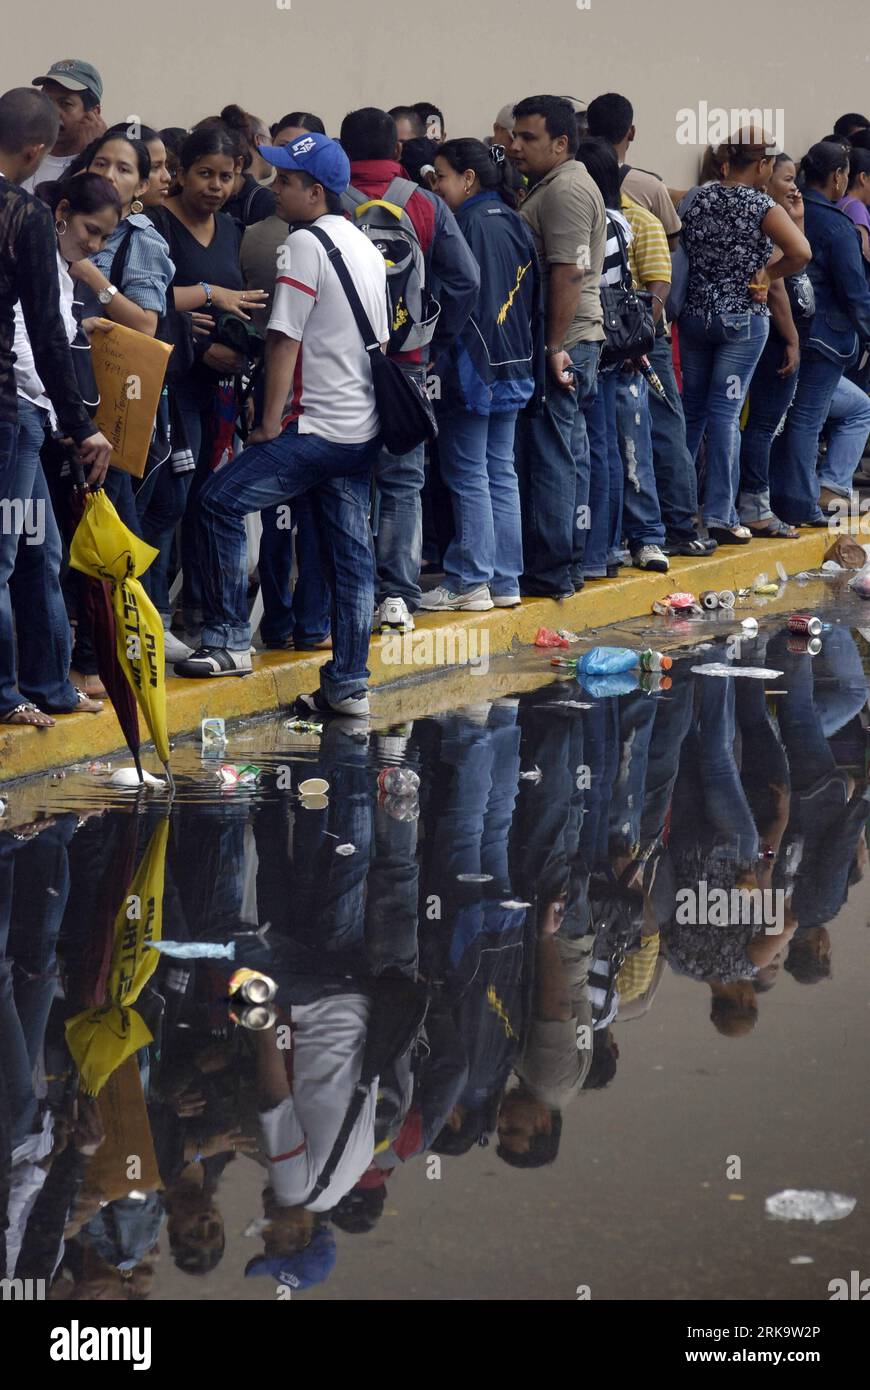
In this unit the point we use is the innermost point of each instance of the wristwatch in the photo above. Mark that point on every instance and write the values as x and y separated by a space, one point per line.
207 289
108 294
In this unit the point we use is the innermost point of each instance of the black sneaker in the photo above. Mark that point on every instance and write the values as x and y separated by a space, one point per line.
215 661
353 706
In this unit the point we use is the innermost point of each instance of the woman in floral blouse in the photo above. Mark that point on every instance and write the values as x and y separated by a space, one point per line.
729 233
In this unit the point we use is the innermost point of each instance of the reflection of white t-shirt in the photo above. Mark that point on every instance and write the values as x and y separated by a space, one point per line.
334 396
298 1135
54 166
27 378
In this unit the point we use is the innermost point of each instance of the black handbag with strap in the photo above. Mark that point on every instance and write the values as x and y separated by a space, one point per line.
406 415
629 328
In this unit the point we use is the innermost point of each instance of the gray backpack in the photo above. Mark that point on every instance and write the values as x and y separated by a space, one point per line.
412 310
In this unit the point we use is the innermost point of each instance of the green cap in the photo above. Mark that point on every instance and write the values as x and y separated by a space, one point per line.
75 74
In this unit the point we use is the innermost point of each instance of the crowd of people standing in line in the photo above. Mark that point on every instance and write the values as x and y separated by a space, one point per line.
483 268
538 913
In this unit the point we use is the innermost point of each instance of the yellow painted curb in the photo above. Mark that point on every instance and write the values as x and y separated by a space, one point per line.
440 642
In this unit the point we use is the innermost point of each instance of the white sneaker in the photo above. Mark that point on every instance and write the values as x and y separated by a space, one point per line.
393 614
650 557
443 600
506 600
174 649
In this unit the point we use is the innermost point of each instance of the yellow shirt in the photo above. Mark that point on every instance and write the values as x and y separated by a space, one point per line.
649 256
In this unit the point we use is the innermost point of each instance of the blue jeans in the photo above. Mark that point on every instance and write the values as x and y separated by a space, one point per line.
718 360
673 465
604 535
339 476
399 518
34 888
30 561
848 428
476 455
794 486
642 519
552 456
769 399
304 614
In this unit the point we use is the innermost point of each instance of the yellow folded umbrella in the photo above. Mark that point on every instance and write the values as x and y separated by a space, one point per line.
104 548
101 1039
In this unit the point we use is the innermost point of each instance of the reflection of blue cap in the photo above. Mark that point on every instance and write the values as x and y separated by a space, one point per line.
313 154
311 1266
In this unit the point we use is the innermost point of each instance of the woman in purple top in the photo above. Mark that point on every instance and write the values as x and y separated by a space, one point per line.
856 202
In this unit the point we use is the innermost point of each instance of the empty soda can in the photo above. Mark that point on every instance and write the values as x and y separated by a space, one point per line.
804 625
727 598
804 646
256 1017
709 599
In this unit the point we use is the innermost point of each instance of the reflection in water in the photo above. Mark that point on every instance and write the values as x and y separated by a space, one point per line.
444 969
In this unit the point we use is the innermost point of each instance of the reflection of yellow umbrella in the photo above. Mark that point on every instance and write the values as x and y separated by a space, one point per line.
101 1039
105 549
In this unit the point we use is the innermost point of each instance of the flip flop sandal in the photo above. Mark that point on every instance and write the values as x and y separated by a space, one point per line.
25 708
86 704
776 530
726 535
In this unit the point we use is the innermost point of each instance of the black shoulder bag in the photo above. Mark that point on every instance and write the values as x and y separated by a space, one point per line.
629 328
406 415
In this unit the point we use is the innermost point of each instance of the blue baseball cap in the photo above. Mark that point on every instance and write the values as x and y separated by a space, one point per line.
305 1269
313 154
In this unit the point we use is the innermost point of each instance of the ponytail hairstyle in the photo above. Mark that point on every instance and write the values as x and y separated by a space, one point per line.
859 163
244 126
821 161
739 154
210 136
87 193
602 165
490 165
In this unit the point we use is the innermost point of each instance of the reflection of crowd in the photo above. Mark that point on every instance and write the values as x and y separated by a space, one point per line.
458 974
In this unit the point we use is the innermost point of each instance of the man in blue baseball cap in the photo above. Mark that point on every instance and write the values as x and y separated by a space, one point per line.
76 89
323 443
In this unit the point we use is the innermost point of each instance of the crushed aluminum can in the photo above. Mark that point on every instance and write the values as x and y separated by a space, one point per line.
545 637
302 726
709 599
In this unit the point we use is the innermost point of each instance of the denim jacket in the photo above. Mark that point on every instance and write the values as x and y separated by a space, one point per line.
842 319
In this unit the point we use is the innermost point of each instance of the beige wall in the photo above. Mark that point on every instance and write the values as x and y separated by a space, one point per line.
172 61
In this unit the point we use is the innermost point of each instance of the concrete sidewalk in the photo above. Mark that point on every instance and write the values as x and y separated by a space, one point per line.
441 641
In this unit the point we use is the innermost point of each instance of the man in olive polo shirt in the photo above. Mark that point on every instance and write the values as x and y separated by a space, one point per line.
565 212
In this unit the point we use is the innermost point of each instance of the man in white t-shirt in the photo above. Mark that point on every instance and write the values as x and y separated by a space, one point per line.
303 1096
76 89
325 447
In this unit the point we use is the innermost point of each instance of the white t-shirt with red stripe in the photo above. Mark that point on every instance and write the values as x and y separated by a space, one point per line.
333 394
329 1038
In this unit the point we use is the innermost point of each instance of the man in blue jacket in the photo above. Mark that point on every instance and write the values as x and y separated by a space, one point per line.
840 326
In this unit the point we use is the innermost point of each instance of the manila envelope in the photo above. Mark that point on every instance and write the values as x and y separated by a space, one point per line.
129 368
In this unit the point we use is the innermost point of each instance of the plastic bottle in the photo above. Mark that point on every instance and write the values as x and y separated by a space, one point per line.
609 661
398 781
